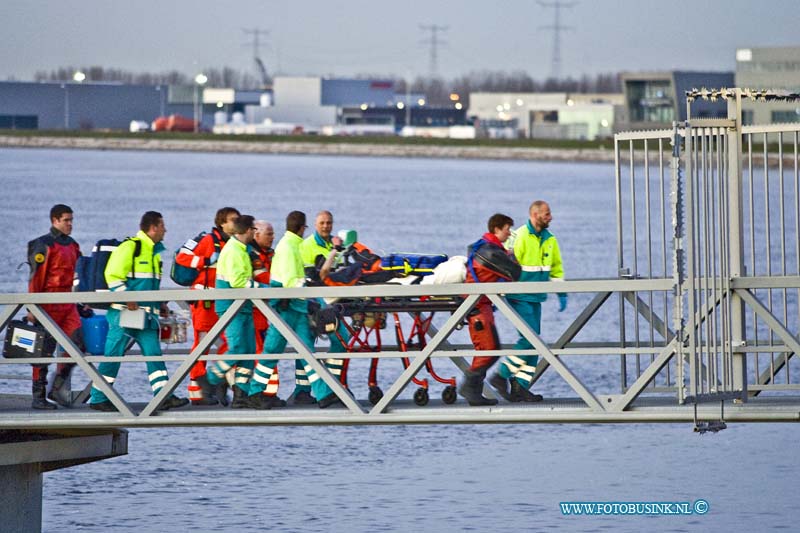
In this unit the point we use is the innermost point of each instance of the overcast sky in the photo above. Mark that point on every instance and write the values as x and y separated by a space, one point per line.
320 37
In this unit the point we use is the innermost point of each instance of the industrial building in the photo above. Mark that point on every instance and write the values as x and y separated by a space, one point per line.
769 68
93 106
655 99
350 106
74 105
545 115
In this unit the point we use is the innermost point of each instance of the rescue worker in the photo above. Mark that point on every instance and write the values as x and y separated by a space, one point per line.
538 253
203 257
287 271
320 243
487 262
135 265
52 258
261 255
235 271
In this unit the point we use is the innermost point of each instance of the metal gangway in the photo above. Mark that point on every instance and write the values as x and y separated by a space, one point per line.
706 304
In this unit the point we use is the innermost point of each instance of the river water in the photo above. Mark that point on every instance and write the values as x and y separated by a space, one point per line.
423 478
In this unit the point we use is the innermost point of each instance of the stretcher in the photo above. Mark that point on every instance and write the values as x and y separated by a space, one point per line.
365 319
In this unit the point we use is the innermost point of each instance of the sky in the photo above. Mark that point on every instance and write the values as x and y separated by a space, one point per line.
324 38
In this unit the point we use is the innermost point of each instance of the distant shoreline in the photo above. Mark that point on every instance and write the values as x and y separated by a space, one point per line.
362 147
487 149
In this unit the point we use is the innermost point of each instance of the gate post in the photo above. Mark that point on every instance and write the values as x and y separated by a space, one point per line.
736 243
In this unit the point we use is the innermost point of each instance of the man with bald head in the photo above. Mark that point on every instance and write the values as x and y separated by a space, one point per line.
261 256
538 253
320 243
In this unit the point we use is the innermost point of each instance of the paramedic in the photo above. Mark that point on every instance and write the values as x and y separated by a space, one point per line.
287 271
135 265
202 255
235 271
537 251
320 243
261 255
487 262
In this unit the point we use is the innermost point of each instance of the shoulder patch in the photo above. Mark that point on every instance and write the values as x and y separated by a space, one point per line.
39 258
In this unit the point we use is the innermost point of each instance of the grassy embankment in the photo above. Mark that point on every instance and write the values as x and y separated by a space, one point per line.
380 140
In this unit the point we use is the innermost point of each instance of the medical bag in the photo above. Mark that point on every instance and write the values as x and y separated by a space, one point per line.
25 340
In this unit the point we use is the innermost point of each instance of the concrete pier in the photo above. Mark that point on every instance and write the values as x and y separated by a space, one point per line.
26 455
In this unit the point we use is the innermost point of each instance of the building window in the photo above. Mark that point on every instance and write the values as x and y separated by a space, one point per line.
650 101
747 117
786 116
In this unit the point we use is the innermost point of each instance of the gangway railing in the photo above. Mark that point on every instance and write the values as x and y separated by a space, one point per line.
438 345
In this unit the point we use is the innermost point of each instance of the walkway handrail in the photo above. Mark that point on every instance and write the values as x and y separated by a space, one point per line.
438 346
359 291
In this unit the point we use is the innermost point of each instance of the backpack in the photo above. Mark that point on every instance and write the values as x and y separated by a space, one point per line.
90 270
183 275
358 253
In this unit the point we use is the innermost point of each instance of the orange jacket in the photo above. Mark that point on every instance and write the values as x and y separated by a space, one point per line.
262 261
204 258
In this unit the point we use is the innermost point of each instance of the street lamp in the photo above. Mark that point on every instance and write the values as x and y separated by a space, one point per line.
79 76
199 80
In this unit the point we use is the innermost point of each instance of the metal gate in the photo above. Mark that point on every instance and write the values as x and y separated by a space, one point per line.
691 227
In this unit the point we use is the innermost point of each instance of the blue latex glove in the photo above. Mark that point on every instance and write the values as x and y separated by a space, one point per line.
213 259
562 302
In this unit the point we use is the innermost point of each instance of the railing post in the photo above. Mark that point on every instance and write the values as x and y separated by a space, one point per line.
736 243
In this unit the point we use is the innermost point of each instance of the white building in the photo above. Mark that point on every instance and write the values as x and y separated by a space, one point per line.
545 115
769 68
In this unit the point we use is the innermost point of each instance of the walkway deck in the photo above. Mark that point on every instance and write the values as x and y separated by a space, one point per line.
18 414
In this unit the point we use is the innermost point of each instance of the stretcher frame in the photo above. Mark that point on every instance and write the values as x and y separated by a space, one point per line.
364 338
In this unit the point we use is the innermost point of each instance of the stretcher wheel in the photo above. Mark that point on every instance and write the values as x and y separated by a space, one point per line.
421 397
449 394
375 395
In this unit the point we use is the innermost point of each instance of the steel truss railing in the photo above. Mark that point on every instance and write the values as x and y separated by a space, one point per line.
437 347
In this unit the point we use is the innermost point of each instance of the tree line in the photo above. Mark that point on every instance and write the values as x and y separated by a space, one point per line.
437 90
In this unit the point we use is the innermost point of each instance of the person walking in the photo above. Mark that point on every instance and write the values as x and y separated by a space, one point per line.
135 265
538 253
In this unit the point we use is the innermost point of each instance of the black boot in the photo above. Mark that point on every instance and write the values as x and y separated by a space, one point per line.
521 394
500 384
240 400
172 402
472 389
302 397
39 391
330 399
207 390
262 401
221 392
61 393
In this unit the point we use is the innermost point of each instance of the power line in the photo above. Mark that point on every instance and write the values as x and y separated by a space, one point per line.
557 28
257 33
434 41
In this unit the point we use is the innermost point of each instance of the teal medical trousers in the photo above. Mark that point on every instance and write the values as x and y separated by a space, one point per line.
241 335
116 342
523 367
264 379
